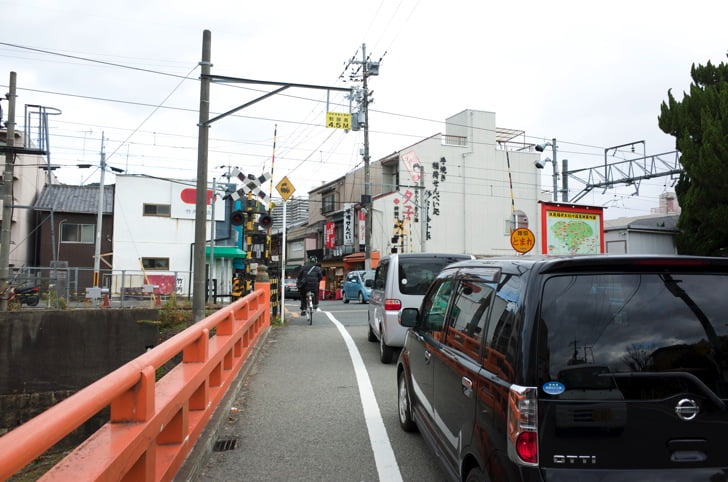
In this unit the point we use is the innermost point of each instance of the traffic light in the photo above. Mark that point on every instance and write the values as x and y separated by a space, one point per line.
265 221
237 218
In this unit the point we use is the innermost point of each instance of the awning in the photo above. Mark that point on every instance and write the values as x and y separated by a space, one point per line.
226 252
359 258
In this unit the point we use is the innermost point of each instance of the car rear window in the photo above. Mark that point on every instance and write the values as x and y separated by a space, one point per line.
416 274
640 333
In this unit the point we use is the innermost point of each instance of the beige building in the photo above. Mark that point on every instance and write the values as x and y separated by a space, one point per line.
30 174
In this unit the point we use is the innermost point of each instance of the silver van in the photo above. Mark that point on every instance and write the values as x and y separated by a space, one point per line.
401 281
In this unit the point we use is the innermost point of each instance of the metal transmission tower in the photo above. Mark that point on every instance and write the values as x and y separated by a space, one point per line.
630 171
363 70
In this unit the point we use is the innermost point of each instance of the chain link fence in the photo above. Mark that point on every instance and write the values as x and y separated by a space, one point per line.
63 287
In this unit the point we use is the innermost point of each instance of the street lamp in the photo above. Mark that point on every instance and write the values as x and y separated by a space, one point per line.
540 164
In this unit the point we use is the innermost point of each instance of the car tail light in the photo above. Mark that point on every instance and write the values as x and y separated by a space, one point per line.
522 425
392 305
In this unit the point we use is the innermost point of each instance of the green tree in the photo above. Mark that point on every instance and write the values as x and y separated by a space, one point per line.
699 124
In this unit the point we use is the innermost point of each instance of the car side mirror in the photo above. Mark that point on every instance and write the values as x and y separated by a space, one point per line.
408 317
368 283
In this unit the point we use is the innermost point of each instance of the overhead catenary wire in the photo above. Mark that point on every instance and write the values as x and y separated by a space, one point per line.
353 160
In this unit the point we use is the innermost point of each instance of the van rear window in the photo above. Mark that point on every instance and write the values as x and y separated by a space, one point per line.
646 326
416 274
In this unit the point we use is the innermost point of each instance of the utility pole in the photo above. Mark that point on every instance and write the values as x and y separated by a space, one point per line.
198 285
212 242
367 180
99 217
7 197
555 165
368 68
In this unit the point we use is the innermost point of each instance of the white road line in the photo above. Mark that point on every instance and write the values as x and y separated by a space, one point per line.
387 467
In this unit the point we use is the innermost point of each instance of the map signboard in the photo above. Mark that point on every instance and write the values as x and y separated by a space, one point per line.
571 229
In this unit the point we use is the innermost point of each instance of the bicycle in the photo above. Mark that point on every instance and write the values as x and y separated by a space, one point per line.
309 307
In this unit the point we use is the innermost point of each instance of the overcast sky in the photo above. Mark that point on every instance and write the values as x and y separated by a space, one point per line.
590 74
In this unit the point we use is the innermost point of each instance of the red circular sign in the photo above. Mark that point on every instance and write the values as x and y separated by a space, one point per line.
523 240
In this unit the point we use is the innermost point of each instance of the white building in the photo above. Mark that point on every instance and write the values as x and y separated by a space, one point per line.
28 180
653 234
474 179
154 233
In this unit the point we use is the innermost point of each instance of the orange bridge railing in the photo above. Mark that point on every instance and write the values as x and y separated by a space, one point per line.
153 424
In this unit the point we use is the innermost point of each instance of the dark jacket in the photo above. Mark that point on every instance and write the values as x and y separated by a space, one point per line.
309 277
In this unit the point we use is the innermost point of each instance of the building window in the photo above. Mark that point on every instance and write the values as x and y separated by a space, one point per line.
328 202
77 233
162 210
390 177
155 263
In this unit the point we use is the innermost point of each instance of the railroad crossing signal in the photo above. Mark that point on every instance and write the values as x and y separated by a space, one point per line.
285 188
251 184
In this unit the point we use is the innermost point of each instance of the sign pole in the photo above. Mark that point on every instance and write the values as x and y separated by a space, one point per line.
283 266
285 189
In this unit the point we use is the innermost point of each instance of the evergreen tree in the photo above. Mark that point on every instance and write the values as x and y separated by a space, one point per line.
699 124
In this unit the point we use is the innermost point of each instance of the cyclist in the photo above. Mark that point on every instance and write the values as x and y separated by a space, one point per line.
308 280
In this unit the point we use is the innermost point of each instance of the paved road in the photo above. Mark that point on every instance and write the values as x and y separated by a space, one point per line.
318 405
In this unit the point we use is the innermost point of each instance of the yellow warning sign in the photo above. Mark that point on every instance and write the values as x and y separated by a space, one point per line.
338 120
285 188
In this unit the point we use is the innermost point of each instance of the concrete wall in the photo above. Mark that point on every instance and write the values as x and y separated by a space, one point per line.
45 356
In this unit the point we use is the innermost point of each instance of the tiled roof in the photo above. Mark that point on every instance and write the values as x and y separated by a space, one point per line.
74 199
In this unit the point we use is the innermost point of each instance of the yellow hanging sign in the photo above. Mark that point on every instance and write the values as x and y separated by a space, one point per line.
338 120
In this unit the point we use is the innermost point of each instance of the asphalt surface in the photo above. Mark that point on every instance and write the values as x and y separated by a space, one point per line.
314 403
289 427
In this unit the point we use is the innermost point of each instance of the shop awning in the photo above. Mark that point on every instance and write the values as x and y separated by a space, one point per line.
226 252
359 258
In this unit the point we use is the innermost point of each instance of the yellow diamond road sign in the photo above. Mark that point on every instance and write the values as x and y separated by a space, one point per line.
285 188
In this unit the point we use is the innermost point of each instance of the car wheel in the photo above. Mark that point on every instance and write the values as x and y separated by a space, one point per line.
344 298
386 352
361 298
371 336
404 405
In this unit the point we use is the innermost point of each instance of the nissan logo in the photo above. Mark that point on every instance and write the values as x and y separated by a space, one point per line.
687 409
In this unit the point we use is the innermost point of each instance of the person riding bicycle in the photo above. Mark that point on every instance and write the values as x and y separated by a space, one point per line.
308 280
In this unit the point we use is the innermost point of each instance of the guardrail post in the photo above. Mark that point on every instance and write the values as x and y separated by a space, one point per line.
137 404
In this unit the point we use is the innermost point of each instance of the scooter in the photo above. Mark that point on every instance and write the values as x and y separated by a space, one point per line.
25 296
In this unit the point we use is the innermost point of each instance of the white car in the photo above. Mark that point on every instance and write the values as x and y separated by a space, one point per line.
401 281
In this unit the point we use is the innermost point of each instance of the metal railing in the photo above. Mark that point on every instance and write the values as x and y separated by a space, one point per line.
62 285
153 424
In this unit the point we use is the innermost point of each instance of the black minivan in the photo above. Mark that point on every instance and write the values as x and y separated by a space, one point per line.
588 368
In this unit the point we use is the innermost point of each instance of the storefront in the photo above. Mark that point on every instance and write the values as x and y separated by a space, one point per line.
334 274
355 261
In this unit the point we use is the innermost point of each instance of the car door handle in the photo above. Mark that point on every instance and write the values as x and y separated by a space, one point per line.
467 385
428 355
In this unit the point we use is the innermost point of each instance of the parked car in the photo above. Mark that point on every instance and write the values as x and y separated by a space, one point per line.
291 289
357 286
400 281
571 368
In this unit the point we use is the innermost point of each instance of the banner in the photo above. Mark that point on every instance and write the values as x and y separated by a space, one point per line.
362 228
330 235
348 224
